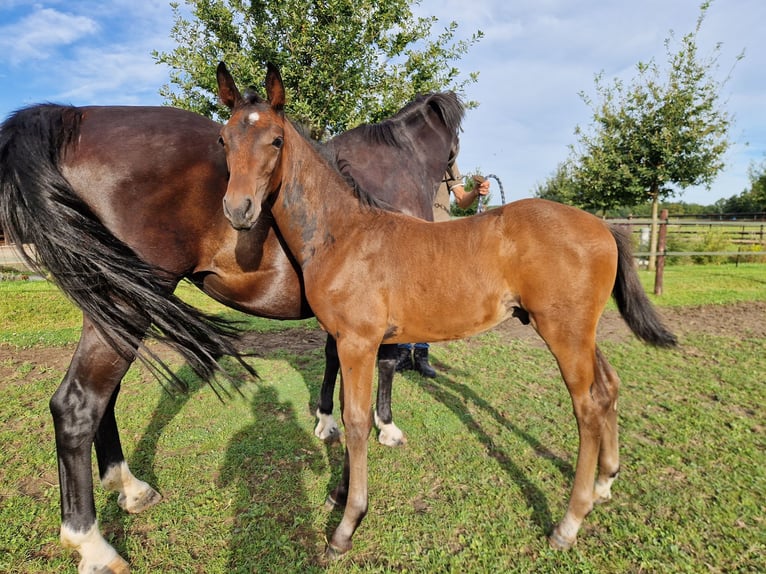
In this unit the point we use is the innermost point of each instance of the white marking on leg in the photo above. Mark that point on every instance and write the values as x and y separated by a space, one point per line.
135 495
602 491
96 553
326 429
390 434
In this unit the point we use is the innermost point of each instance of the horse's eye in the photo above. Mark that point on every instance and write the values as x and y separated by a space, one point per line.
278 141
220 140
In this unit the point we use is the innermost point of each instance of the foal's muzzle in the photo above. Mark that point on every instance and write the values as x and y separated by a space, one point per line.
243 215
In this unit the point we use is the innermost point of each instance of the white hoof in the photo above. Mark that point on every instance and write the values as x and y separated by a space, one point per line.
390 434
326 429
602 491
98 556
135 495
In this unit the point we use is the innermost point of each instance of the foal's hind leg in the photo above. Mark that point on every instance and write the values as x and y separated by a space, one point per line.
78 407
593 397
609 455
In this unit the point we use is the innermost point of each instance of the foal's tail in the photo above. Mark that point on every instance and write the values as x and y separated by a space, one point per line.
122 294
631 299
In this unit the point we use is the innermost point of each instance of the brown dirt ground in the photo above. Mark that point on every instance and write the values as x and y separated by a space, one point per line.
739 320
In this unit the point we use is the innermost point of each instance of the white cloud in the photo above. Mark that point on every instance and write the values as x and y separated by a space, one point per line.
38 35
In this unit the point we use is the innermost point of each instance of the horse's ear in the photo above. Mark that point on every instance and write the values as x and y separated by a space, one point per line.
275 89
227 89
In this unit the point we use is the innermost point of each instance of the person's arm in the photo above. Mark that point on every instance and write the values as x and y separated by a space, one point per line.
465 198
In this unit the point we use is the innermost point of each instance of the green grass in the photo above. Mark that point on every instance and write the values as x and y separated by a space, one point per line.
485 474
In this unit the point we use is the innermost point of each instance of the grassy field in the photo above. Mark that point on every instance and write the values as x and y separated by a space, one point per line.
485 474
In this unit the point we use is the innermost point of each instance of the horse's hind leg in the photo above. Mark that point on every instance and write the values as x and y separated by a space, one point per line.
594 398
390 434
78 407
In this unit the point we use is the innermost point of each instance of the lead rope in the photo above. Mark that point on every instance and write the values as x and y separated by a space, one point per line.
480 205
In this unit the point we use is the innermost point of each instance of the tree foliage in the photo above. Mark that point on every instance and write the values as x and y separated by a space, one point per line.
751 200
344 62
664 131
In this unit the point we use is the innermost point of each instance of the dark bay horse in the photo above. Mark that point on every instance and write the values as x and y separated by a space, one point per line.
548 264
120 204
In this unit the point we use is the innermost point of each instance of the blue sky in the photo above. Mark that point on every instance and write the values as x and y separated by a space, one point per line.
536 57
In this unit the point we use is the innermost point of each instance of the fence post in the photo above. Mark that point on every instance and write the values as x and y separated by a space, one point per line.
661 241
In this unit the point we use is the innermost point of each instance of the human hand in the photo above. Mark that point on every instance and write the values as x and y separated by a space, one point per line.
481 184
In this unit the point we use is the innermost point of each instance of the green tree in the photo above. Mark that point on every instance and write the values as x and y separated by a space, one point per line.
560 186
344 62
663 132
751 200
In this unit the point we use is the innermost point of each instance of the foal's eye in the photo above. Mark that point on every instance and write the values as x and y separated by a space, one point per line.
278 141
220 140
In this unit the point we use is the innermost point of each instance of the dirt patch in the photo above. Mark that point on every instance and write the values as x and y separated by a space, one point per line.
740 319
737 320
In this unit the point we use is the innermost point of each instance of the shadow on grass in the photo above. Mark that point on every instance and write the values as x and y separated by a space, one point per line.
455 396
273 528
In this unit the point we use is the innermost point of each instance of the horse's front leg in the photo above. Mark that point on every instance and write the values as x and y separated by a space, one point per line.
327 429
357 364
390 434
78 407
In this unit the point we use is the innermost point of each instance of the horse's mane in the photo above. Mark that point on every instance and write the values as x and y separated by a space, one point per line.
446 104
329 156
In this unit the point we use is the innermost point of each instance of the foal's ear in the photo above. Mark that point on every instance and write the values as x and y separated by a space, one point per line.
227 89
275 90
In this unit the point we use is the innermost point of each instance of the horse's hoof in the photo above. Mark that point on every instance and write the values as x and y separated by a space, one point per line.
327 429
391 435
602 499
558 542
140 502
116 566
330 436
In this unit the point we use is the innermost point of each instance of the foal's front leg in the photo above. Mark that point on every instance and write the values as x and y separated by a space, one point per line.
357 364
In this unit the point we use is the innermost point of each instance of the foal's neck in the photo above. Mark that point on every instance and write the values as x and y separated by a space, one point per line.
315 204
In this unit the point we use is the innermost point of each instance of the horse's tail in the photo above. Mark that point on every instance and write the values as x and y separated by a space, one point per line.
631 299
125 297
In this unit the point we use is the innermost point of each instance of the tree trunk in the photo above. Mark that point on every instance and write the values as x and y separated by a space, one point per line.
653 235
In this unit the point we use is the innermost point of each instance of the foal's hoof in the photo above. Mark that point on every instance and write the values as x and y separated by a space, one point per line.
140 501
331 554
330 503
558 542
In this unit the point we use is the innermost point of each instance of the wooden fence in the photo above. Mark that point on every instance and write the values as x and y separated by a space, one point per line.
705 240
